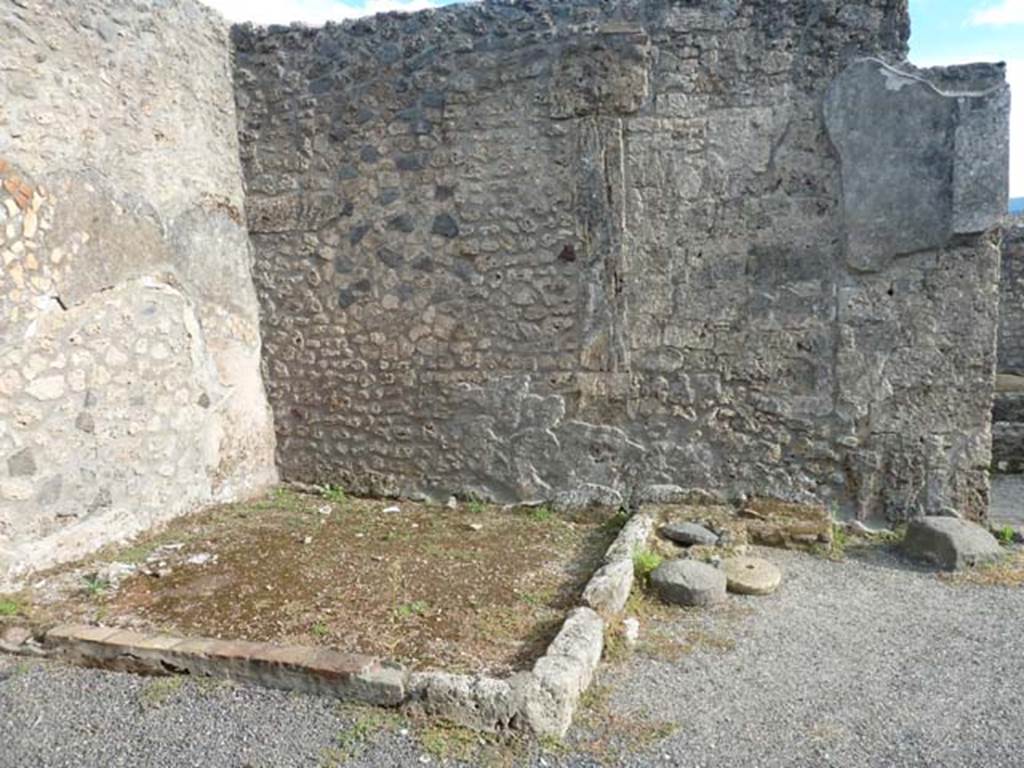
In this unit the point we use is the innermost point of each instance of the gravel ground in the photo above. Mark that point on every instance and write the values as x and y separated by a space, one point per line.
866 662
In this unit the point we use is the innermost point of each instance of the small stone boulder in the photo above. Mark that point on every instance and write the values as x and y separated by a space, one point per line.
950 543
688 582
751 575
688 534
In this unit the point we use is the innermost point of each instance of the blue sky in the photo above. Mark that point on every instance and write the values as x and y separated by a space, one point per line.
943 32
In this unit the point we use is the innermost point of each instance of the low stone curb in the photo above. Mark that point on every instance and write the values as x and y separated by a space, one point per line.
542 700
609 588
351 677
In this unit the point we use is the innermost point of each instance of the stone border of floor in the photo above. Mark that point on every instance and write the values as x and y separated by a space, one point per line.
542 700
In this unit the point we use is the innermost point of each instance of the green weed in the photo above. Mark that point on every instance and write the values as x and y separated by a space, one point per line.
415 608
352 742
446 742
8 608
644 563
1006 535
334 493
541 514
95 585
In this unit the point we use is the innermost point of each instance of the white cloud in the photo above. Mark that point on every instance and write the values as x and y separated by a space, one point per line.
311 12
1006 12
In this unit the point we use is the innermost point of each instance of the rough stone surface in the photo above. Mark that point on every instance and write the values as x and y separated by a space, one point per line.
551 692
688 533
1008 404
751 575
688 582
779 524
587 252
609 588
483 703
924 156
631 539
130 385
950 543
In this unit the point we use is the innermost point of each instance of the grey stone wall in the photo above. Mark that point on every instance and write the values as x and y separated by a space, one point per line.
1011 300
580 252
130 388
1008 405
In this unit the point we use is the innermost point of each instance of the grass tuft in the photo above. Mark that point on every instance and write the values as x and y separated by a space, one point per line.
644 563
334 493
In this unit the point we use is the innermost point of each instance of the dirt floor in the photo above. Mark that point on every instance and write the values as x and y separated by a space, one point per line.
476 588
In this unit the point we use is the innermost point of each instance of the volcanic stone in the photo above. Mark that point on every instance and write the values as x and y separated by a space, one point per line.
688 582
950 543
689 533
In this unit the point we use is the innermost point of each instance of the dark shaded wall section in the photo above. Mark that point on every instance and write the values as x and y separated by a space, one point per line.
606 252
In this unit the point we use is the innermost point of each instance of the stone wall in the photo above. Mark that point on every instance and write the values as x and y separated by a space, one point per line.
581 252
1008 405
1011 300
130 388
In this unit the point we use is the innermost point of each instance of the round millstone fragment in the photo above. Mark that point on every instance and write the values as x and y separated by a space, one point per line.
689 533
688 582
751 575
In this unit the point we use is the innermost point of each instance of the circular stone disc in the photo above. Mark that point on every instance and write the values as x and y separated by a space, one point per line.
751 575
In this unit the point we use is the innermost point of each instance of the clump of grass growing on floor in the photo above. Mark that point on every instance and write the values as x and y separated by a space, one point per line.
644 563
352 742
319 629
475 505
9 608
446 742
541 514
1006 535
95 585
334 493
157 692
839 540
415 608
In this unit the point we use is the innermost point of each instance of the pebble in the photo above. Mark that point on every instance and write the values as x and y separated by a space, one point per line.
390 510
631 631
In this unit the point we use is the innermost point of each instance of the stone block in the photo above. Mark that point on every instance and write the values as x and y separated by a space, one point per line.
472 701
783 524
609 588
950 543
688 583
